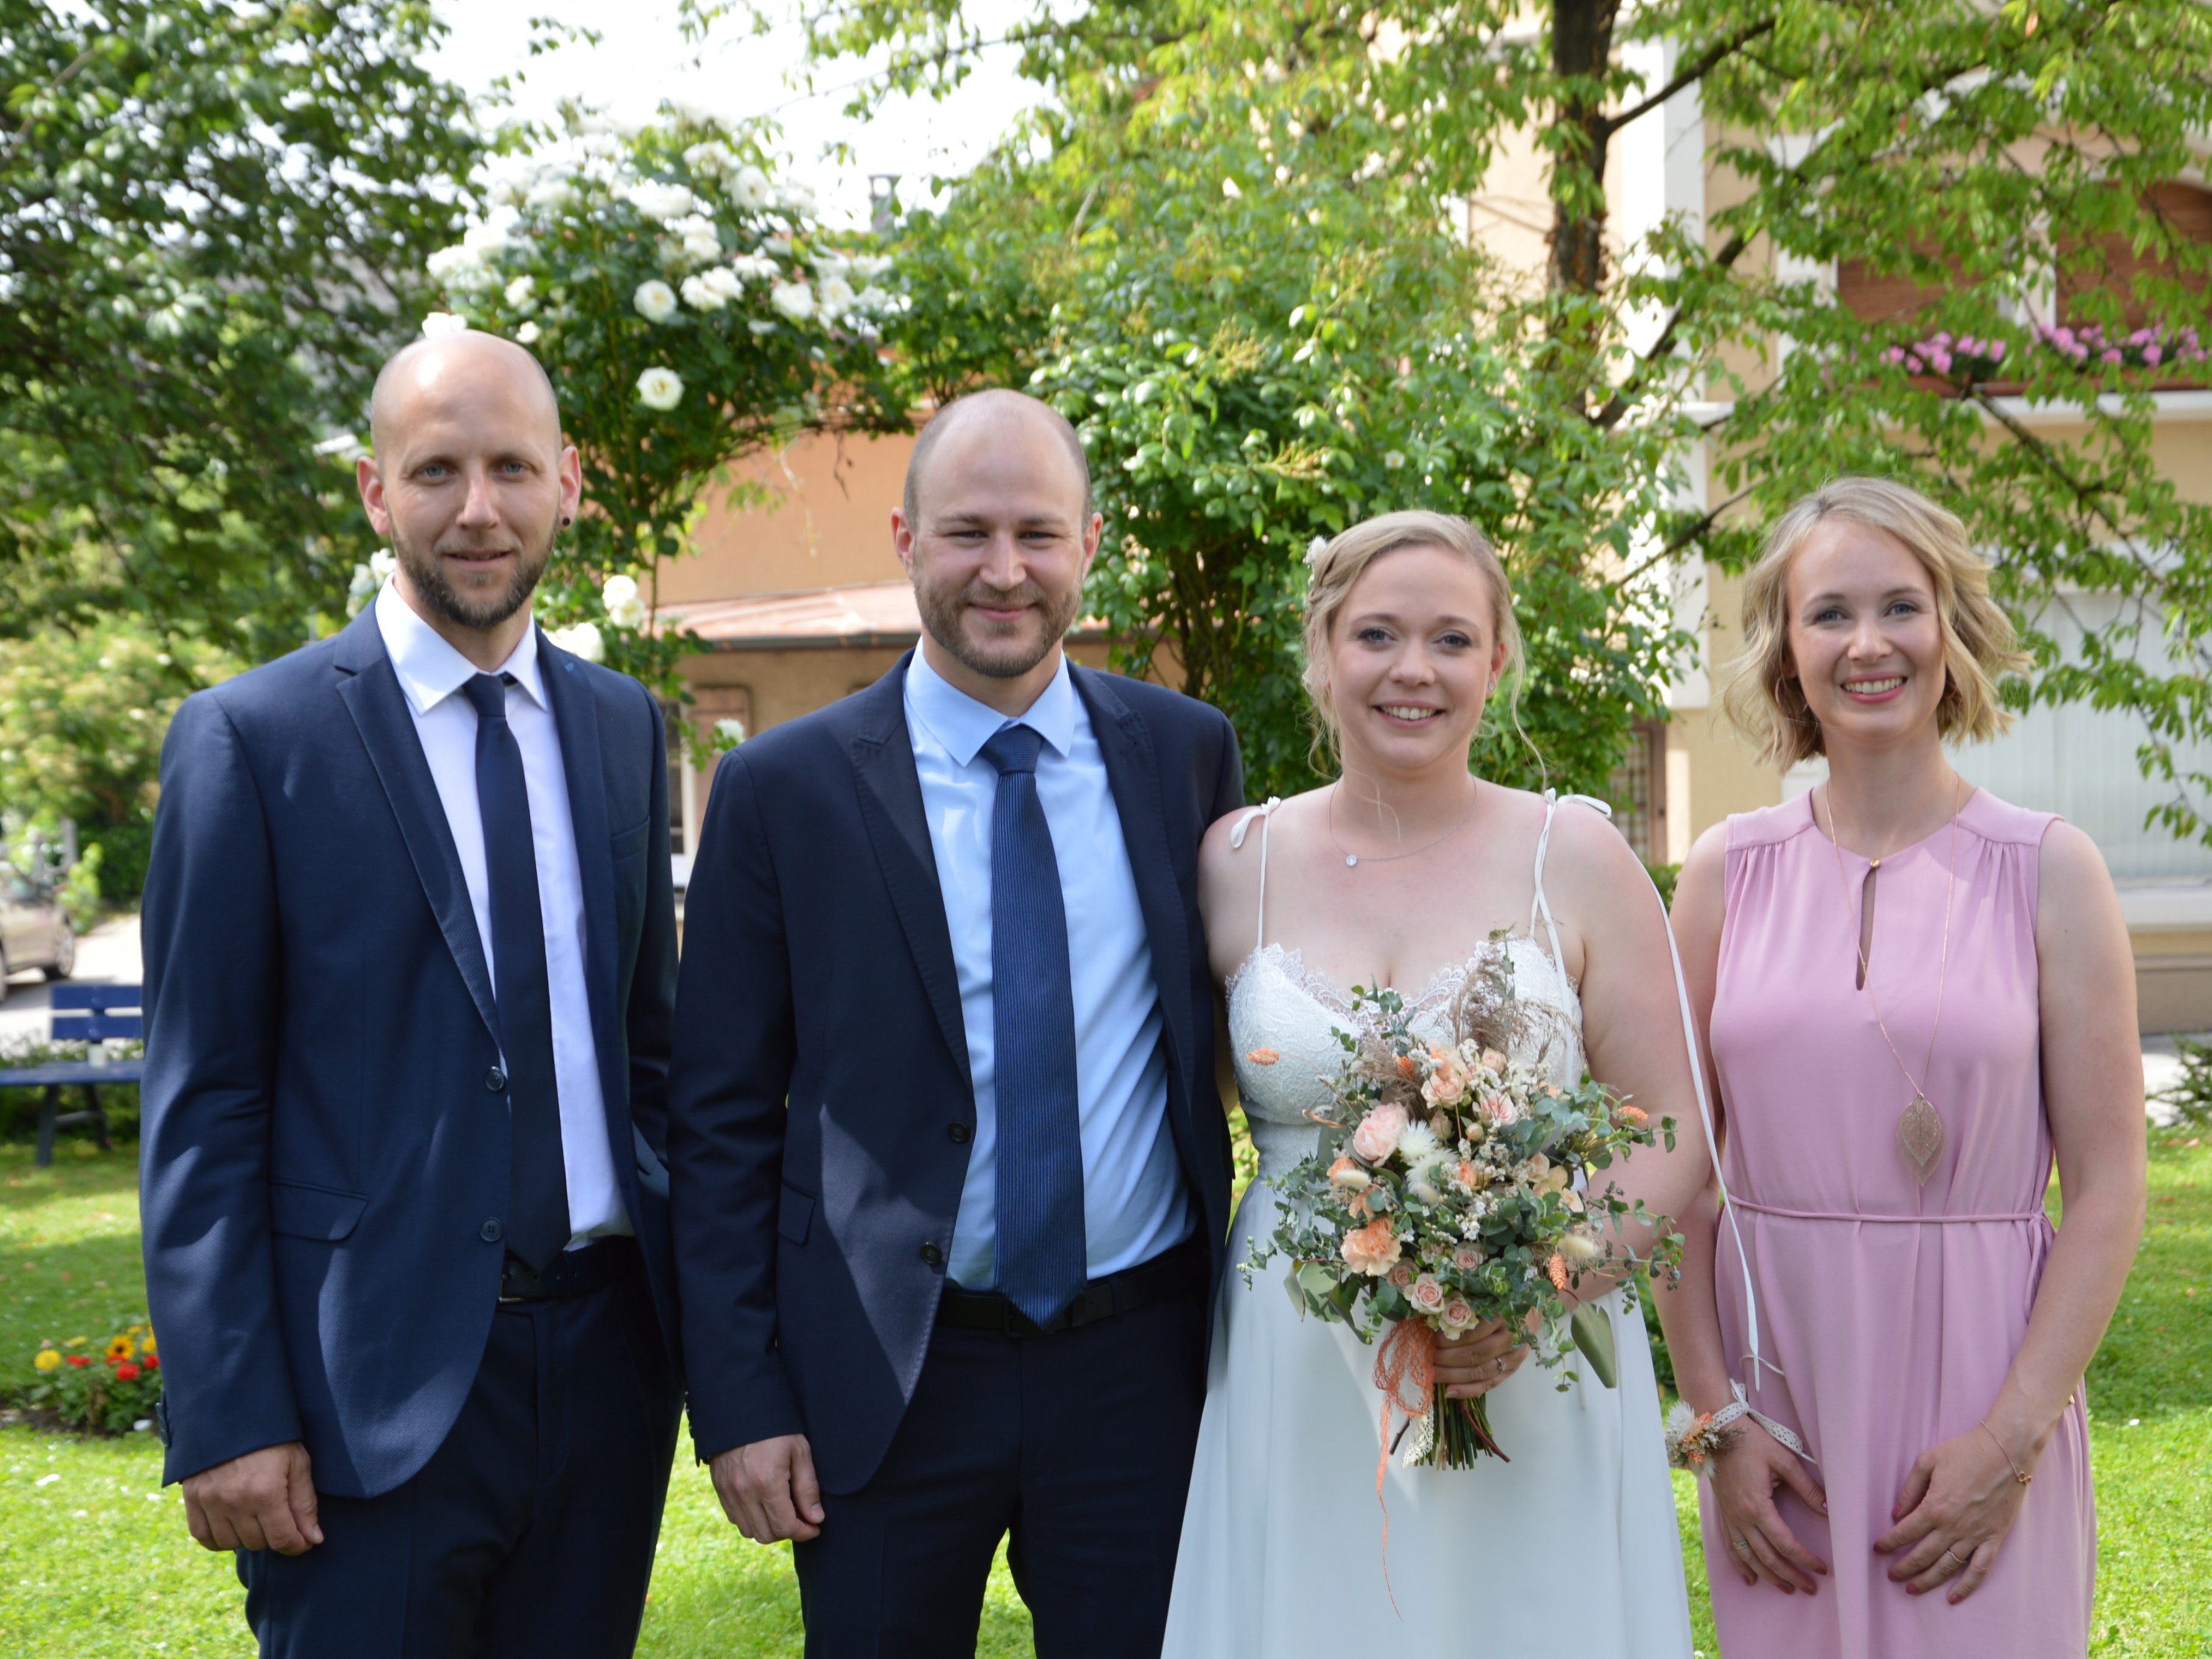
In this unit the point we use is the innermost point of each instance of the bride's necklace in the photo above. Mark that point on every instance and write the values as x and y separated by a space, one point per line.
1920 1130
1352 860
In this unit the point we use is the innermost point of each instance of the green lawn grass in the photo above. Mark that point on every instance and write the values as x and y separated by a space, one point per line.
95 1559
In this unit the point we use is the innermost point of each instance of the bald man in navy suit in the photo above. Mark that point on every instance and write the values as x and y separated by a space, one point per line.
410 956
950 1173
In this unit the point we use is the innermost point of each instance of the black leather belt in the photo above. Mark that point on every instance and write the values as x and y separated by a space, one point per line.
1182 1271
572 1272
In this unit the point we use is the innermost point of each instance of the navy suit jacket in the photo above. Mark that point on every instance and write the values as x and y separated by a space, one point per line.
811 1237
324 1158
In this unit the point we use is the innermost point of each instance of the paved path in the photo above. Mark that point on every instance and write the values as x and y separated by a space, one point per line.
108 955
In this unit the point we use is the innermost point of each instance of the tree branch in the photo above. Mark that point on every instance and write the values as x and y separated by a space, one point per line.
1677 542
1697 71
1617 405
56 85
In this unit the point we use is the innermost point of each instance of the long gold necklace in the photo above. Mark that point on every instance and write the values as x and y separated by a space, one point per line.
1920 1130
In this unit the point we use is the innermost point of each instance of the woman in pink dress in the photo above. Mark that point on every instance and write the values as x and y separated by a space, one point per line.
1916 996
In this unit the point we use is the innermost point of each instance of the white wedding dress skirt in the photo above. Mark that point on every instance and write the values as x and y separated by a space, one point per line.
1571 1547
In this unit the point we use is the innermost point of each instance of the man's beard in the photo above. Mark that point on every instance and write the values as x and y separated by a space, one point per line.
426 575
944 610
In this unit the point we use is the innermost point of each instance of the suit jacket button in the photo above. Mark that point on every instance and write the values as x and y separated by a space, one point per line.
960 1133
489 1232
933 1256
496 1079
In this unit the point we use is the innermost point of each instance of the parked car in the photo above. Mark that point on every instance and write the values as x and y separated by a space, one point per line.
34 929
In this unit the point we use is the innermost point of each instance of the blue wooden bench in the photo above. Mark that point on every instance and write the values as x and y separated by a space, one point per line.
82 1013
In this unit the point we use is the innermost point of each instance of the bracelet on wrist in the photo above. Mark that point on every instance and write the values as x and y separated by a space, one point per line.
2018 1473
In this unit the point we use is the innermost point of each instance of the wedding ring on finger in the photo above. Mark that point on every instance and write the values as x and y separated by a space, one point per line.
1742 1548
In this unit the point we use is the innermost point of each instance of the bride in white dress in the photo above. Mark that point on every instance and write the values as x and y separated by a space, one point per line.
1410 872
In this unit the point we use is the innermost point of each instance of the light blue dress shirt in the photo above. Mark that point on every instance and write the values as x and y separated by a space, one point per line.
1134 1201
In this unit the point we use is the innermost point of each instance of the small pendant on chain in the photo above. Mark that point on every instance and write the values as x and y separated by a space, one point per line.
1920 1137
1351 861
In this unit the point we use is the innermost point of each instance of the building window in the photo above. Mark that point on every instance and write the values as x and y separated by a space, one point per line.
2111 264
688 785
1638 788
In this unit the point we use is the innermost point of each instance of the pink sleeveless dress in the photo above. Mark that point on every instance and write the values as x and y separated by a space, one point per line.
1889 1312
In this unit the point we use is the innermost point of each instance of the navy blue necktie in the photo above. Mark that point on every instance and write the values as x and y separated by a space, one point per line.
538 1179
1040 1248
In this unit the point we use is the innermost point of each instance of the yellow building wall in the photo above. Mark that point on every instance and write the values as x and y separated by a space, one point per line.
827 523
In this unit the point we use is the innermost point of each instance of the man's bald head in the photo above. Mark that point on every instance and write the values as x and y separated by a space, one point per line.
432 367
470 482
983 412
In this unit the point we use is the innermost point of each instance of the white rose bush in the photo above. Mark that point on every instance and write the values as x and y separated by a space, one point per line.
691 310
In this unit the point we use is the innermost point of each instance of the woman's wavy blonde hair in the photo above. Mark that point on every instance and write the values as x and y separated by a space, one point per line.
1764 701
1338 563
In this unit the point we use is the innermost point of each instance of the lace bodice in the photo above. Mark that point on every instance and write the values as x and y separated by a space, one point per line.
1276 1003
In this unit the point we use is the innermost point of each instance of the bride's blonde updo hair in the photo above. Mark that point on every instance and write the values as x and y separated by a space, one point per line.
1338 563
1765 701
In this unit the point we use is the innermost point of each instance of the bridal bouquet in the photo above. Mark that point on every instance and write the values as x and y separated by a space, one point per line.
1452 1186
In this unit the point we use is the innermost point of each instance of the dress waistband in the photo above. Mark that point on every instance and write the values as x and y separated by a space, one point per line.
1741 1202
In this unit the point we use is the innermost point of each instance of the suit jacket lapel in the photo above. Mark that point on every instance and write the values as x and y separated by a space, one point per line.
898 828
576 716
370 690
1134 776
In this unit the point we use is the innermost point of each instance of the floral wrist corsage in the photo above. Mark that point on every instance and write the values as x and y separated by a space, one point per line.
1693 1440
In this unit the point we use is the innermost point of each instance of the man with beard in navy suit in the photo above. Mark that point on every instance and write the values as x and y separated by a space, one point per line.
949 1173
410 956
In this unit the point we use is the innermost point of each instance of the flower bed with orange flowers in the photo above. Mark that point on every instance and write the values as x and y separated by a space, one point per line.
110 1388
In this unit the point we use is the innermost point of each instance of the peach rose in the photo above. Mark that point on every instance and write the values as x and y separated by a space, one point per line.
1371 1249
1408 1067
1401 1275
1500 1109
1446 1084
1347 1173
1466 1257
1493 1061
1426 1296
1467 1174
1457 1316
1376 1137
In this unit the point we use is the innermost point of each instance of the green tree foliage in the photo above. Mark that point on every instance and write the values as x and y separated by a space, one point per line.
82 712
690 311
213 216
2004 163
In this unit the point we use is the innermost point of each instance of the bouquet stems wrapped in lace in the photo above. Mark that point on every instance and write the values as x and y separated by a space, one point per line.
1452 1186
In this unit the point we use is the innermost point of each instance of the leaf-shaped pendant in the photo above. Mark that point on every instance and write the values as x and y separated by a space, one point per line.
1920 1138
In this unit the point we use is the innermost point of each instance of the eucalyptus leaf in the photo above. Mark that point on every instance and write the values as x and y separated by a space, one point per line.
1592 1332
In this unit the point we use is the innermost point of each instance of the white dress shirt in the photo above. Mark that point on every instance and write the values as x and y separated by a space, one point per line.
431 674
1134 1201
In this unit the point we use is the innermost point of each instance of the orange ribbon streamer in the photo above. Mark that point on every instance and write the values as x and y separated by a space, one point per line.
1404 1370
